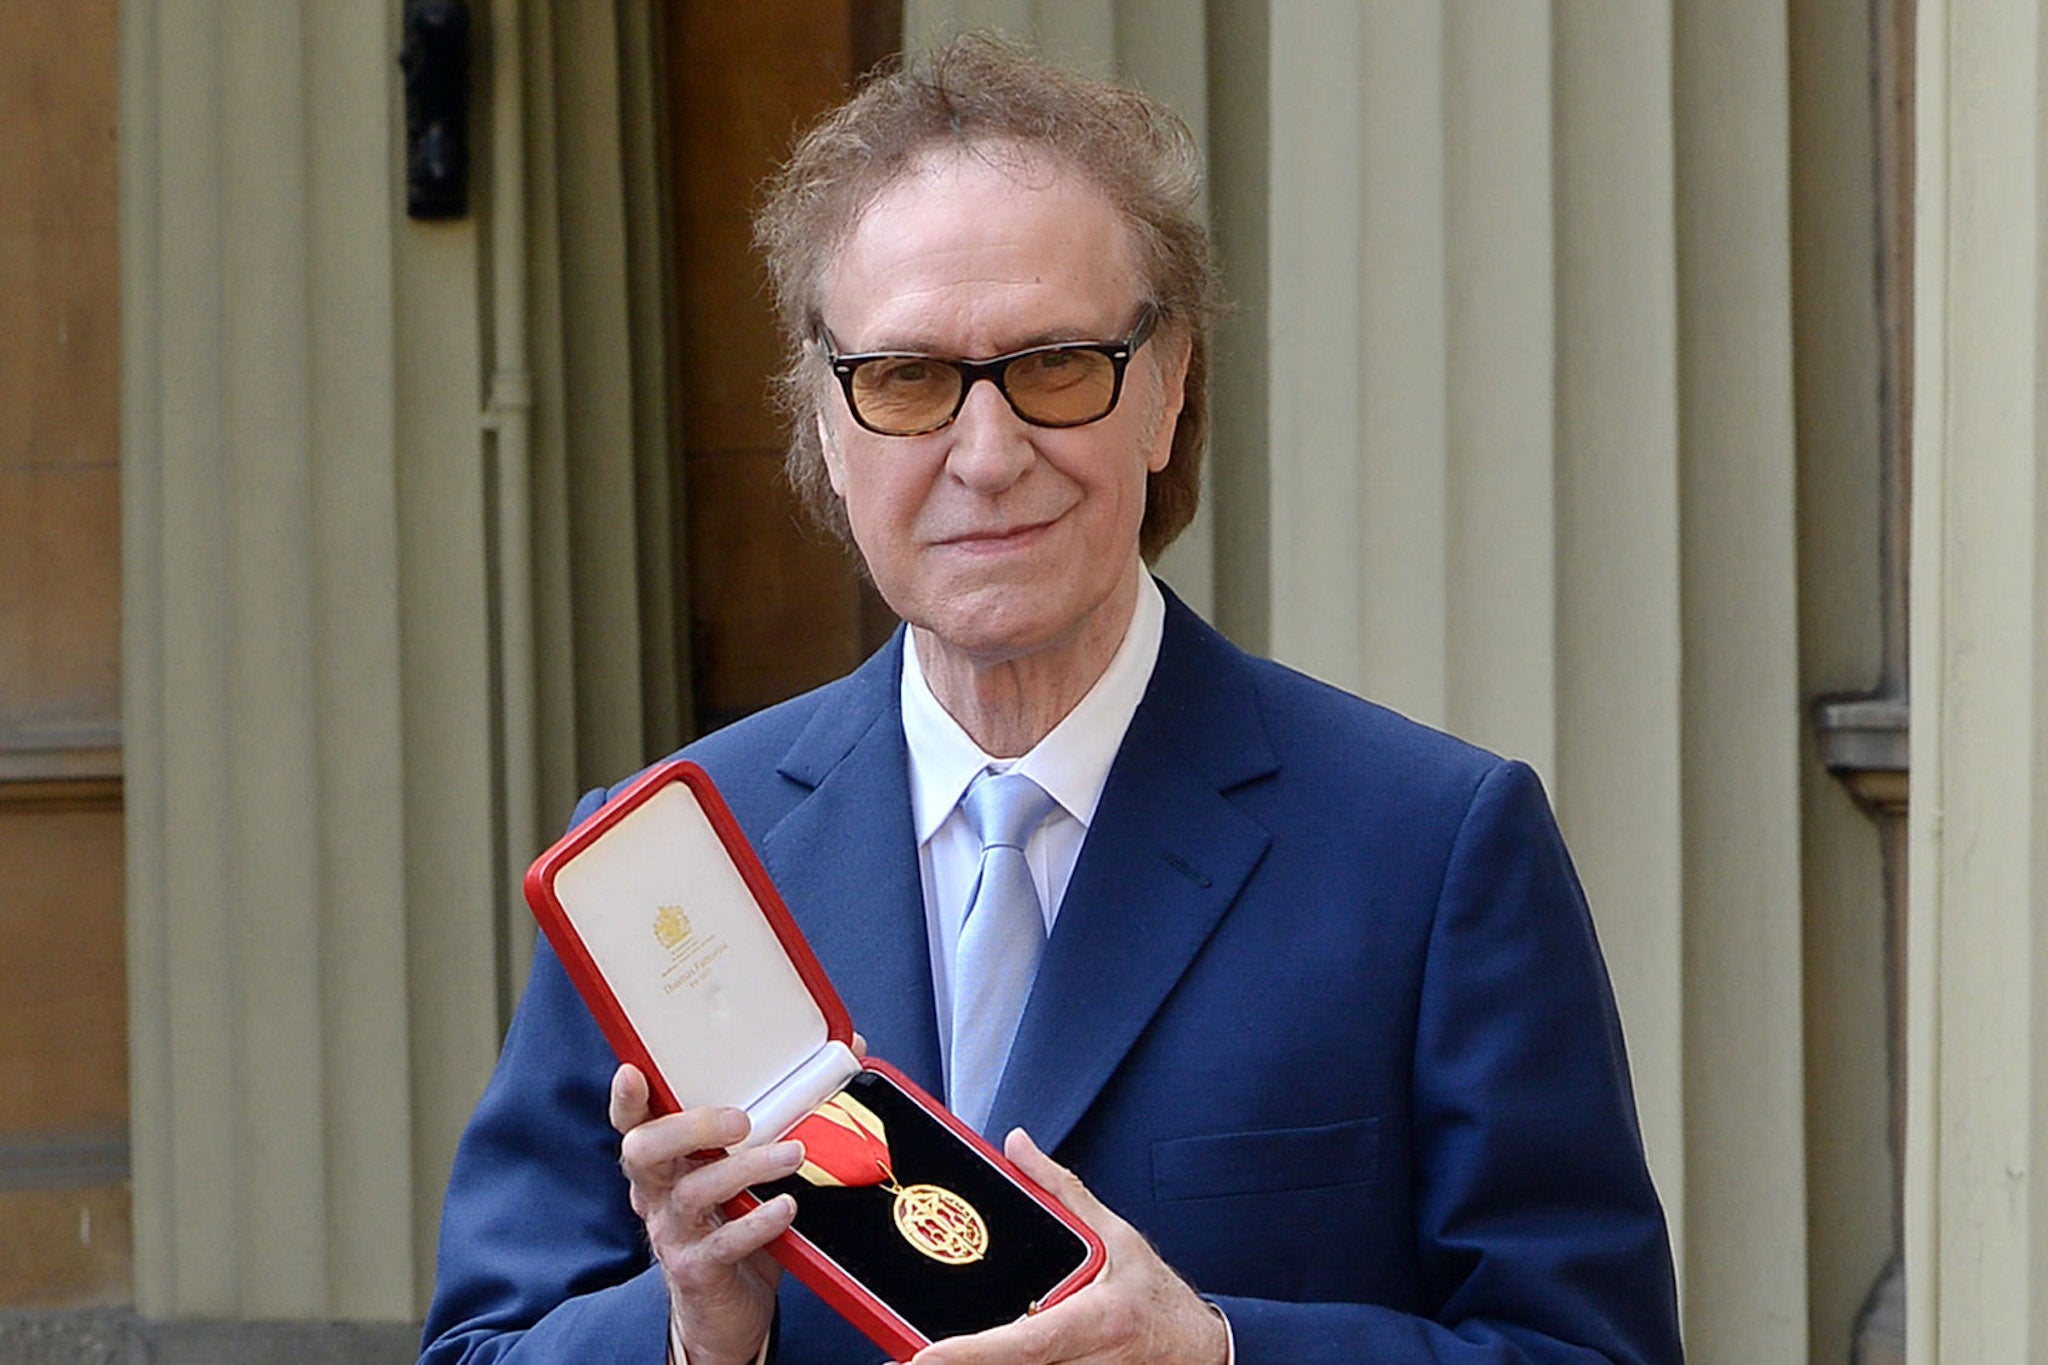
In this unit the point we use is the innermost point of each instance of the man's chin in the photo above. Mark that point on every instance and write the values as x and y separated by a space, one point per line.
986 638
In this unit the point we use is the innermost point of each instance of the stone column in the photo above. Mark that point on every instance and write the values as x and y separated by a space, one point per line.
381 627
271 969
1976 1203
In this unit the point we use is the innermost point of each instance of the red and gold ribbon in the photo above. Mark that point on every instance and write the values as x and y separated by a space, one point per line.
844 1144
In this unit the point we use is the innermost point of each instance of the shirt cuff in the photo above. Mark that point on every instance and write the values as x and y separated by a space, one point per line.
678 1356
1229 1337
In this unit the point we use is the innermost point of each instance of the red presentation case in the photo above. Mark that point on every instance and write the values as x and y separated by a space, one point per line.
670 928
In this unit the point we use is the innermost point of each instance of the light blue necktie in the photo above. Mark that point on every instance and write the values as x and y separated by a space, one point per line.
1001 939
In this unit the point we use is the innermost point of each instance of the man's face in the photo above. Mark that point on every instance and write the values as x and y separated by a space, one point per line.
1001 540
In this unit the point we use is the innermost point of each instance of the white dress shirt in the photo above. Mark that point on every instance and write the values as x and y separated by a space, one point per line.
1071 764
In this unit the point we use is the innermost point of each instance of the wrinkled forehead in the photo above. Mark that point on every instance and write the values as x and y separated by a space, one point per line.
923 189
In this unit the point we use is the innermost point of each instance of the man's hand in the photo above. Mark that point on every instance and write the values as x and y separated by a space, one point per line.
721 1283
1135 1310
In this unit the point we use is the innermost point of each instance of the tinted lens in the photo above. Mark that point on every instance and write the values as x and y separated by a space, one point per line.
1061 388
905 395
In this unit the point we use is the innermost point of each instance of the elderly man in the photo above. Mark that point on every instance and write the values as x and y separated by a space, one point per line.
1304 997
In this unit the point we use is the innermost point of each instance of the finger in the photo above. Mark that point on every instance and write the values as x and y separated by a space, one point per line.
1058 1181
1037 1340
719 1182
690 1212
718 1252
628 1109
860 1047
662 1149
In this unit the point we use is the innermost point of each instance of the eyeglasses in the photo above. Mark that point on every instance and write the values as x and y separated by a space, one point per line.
1068 384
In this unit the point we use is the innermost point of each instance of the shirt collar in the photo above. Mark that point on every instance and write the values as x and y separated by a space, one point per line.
1072 762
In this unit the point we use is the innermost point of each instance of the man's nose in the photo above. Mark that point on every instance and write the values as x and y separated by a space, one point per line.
991 446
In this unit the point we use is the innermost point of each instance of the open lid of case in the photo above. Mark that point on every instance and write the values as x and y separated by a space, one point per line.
667 922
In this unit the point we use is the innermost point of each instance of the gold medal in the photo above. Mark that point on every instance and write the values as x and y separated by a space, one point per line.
941 1224
845 1144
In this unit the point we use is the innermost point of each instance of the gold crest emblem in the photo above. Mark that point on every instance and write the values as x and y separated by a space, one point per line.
940 1224
671 926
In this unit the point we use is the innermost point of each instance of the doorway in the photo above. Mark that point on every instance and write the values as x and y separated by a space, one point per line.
776 605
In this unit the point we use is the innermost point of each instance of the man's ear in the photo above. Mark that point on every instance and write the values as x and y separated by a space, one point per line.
1173 392
835 459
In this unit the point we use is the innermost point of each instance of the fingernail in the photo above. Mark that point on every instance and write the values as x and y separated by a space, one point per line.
790 1154
732 1126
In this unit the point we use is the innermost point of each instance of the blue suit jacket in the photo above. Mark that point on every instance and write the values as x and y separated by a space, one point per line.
1322 1015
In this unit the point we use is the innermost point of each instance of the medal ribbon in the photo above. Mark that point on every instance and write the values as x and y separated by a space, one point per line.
844 1144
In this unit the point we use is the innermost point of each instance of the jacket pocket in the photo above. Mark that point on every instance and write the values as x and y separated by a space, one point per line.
1266 1161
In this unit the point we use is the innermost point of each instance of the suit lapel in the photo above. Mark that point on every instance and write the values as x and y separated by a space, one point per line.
845 860
1164 859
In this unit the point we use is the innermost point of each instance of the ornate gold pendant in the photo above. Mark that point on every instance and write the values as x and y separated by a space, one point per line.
940 1224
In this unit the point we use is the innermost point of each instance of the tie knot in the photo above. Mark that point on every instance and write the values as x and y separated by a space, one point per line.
1003 808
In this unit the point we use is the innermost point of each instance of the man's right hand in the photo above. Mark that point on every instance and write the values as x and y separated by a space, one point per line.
721 1284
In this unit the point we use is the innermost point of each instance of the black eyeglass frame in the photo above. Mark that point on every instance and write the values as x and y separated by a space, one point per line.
972 372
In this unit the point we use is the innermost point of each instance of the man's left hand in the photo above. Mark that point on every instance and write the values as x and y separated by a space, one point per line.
1136 1310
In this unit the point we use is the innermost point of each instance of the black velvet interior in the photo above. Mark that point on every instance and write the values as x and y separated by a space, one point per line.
1029 1250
